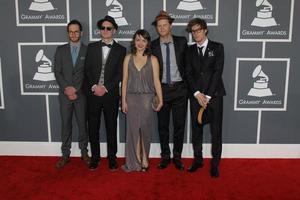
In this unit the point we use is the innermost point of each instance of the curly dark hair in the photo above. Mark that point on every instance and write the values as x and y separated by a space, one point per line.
196 21
145 34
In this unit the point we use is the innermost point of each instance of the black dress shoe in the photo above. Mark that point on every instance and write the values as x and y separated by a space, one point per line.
195 166
163 163
214 172
178 164
113 165
93 165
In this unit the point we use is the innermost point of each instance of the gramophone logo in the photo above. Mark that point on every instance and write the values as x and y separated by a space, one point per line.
261 83
185 10
260 86
41 5
264 15
189 5
42 12
44 72
116 11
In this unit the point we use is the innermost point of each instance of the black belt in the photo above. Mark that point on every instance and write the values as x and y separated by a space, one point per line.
173 84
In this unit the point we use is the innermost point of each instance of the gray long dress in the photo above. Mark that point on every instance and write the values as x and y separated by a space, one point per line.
140 116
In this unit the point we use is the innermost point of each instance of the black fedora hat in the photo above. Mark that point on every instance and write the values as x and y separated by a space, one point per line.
109 19
162 15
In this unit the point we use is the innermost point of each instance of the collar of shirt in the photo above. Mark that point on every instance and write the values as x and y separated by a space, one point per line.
169 41
106 49
111 43
77 44
204 45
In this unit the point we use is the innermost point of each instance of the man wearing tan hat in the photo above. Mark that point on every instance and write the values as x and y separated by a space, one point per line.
170 51
103 73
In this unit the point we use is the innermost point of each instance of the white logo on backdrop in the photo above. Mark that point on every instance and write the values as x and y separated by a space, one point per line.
260 86
264 15
44 72
41 5
116 11
189 5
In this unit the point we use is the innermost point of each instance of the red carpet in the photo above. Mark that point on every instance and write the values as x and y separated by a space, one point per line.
36 178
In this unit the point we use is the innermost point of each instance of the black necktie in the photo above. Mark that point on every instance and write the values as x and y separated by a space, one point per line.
200 51
106 45
168 61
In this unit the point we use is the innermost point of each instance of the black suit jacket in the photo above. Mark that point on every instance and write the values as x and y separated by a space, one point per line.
180 46
205 74
113 67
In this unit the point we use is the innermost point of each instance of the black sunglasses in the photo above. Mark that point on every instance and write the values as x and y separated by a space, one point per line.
105 27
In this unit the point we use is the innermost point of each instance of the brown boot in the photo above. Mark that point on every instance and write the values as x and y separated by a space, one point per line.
62 162
86 159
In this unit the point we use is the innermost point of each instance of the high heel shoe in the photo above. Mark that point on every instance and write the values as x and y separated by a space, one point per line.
144 169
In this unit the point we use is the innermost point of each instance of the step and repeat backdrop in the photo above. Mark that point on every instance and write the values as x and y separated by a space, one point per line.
261 40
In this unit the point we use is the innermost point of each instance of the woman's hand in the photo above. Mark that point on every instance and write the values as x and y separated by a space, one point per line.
124 107
159 106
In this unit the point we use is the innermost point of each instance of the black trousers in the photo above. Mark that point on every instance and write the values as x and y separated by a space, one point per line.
175 99
216 116
109 104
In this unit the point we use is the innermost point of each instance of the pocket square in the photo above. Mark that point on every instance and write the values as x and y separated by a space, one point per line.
82 58
211 53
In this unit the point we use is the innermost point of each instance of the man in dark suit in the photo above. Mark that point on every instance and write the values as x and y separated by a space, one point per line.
103 73
170 51
69 73
204 67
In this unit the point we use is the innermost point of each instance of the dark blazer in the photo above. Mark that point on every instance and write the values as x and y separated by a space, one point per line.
180 45
65 73
113 67
205 74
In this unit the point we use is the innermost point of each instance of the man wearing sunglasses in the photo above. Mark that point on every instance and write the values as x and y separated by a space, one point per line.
103 73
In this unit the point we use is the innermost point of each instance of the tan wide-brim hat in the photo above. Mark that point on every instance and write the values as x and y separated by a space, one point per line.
200 115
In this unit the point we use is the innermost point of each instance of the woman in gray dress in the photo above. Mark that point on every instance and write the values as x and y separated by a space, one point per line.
140 85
